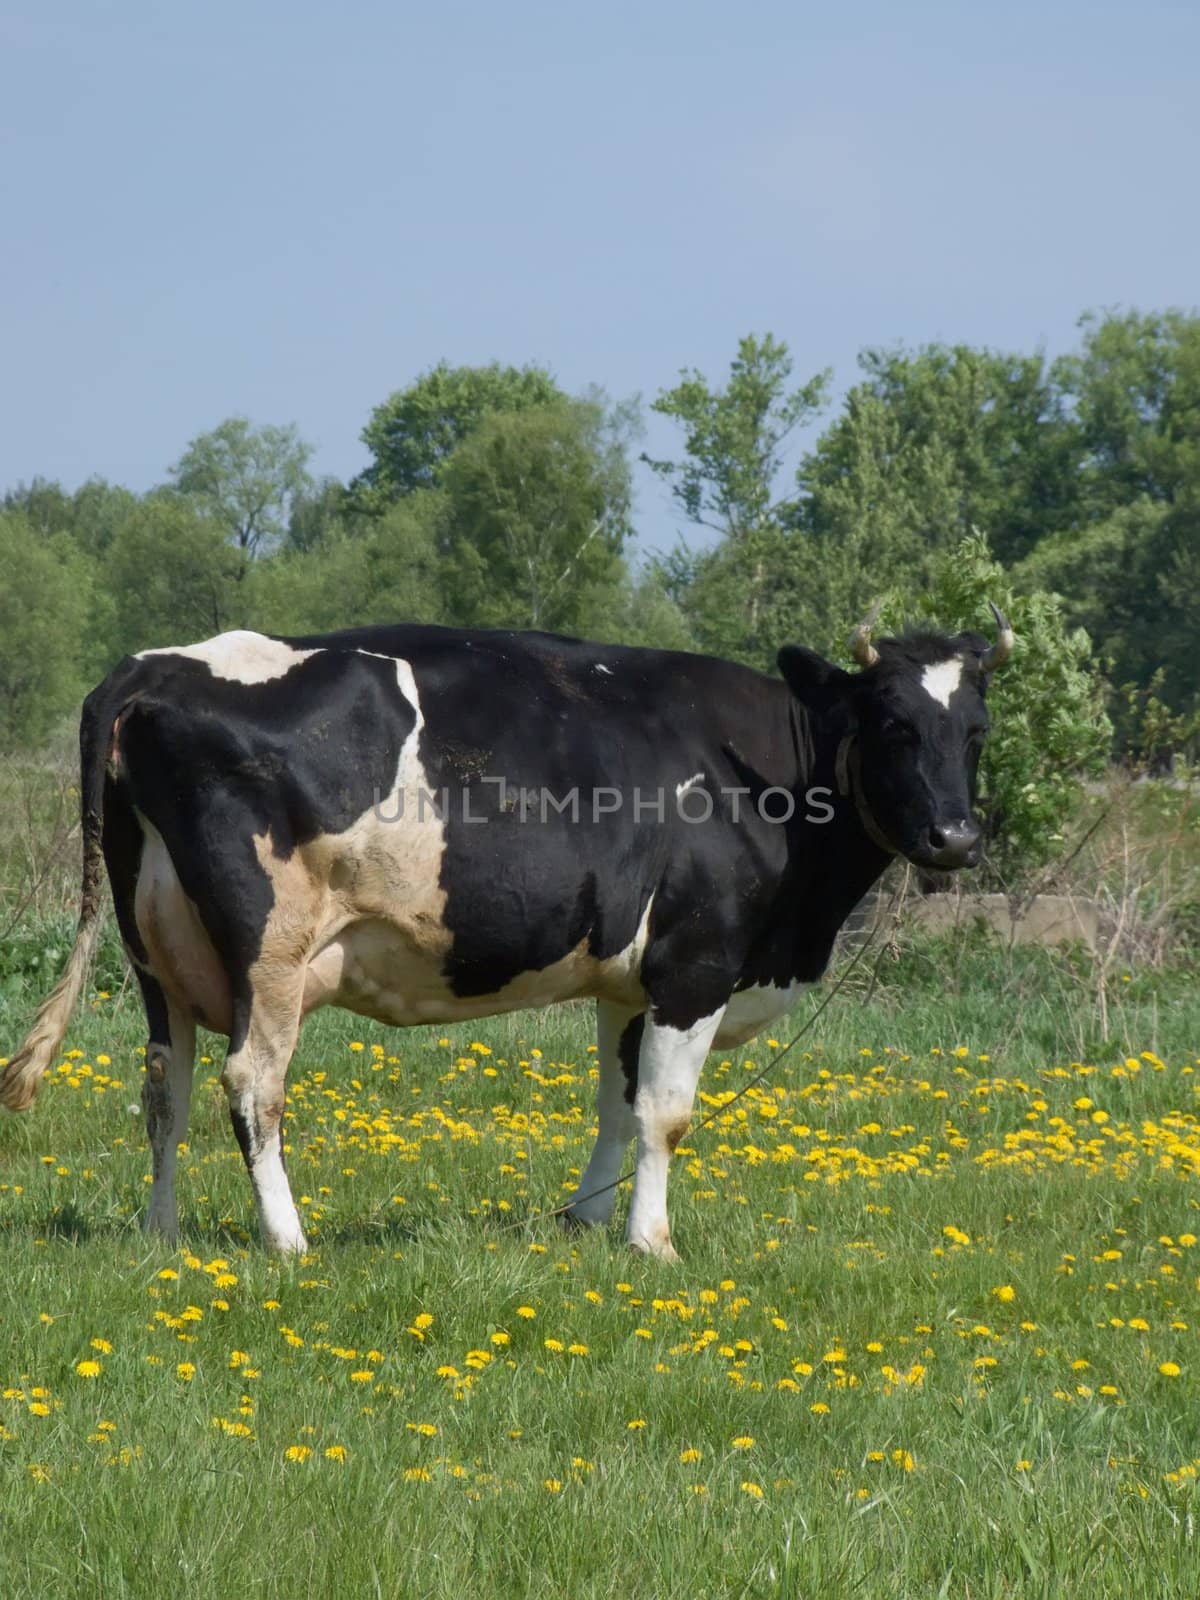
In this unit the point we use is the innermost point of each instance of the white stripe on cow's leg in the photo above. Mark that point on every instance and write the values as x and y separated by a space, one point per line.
668 1071
166 1101
616 1120
255 1079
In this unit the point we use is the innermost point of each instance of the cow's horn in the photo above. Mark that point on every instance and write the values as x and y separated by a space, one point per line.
861 648
997 654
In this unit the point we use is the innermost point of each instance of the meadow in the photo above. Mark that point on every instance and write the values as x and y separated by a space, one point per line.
934 1332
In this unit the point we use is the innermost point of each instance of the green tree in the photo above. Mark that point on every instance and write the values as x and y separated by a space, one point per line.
1129 571
245 478
638 610
174 577
46 595
728 481
91 515
386 571
1134 389
537 506
413 434
318 513
928 445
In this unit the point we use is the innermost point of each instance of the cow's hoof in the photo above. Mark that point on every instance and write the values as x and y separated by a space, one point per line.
576 1219
661 1249
294 1244
161 1227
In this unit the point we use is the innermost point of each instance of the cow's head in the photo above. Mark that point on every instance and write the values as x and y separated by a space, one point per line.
910 728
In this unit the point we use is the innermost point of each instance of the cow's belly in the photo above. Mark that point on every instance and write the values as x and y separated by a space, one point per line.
374 967
750 1010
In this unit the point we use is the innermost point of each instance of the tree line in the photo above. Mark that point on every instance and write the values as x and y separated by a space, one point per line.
494 497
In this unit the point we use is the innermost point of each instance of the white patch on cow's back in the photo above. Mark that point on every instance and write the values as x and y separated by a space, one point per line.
942 679
688 784
607 671
241 655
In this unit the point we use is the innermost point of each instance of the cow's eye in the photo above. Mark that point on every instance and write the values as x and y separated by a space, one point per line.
897 731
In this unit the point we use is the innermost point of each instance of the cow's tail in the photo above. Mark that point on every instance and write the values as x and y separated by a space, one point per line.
22 1077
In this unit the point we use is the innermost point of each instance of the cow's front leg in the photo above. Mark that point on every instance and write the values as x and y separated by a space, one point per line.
669 1064
618 1035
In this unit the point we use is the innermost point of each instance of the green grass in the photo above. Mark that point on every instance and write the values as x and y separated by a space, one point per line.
813 1218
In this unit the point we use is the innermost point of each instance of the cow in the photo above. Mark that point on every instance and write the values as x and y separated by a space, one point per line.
427 824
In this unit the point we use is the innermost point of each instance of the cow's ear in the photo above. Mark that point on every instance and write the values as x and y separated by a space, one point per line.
804 670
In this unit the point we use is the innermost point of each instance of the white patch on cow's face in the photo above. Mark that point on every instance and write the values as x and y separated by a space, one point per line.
941 680
242 656
688 784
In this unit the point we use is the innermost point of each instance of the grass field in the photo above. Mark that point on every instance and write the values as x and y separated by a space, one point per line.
934 1333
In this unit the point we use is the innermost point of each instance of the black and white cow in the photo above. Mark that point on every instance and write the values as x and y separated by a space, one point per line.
426 824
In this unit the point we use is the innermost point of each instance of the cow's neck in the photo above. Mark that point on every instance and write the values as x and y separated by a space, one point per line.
832 865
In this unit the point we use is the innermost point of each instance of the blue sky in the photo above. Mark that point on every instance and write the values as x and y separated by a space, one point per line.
289 210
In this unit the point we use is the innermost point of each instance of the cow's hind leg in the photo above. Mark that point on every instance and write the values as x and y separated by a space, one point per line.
255 1080
618 1037
669 1064
166 1098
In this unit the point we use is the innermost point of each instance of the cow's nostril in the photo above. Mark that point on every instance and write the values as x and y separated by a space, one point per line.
952 844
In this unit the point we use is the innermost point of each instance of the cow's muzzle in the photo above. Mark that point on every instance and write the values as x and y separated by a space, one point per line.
947 845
